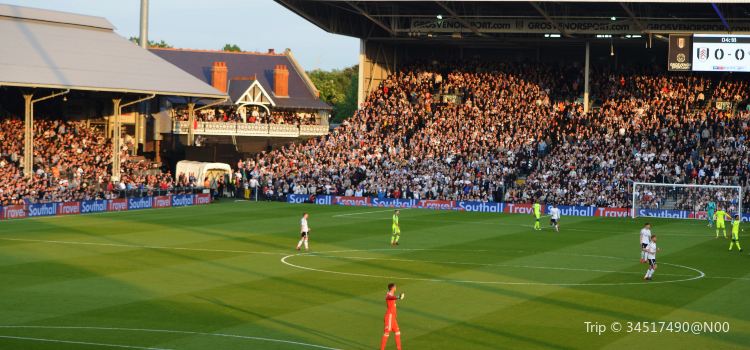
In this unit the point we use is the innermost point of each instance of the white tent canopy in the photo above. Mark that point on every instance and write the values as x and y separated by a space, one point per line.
51 49
202 170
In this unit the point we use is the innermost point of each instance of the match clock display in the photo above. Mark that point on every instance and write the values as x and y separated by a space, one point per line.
716 52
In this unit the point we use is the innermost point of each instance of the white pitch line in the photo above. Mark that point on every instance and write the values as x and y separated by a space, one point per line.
489 265
141 246
312 254
368 212
80 343
730 278
701 274
169 331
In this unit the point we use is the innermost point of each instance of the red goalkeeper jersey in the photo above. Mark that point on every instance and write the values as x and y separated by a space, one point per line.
390 302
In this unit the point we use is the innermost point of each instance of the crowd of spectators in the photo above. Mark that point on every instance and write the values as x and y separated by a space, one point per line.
72 161
430 132
249 114
456 131
292 118
650 128
518 133
211 115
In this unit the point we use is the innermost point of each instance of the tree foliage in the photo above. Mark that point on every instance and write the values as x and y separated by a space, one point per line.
152 43
231 48
337 87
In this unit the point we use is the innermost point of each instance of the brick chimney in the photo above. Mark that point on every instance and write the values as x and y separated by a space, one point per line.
271 51
281 80
219 76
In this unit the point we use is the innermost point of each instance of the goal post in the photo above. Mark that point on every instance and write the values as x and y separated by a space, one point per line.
683 198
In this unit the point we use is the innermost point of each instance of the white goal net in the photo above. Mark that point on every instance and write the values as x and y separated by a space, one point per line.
683 201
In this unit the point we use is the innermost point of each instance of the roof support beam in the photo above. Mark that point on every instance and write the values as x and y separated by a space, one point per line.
721 17
28 129
464 22
117 132
304 14
372 19
549 19
633 17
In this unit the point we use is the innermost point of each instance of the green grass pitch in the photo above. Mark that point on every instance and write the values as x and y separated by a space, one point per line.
226 276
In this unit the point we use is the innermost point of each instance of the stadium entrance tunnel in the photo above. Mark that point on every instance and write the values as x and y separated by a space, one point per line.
488 267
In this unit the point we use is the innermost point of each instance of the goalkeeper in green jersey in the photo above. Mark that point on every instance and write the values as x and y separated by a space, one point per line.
720 218
710 211
736 233
395 229
537 215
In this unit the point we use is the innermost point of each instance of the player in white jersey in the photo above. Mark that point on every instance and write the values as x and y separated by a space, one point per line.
650 251
304 231
554 217
645 240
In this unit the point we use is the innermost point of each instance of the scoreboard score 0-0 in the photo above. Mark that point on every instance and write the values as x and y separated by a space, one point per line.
709 53
716 52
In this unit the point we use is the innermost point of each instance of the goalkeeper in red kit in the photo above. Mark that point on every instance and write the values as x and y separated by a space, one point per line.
391 324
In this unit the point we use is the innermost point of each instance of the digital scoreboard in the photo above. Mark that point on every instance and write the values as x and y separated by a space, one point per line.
721 53
709 53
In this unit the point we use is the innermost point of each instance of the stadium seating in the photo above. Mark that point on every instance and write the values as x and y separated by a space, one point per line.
71 162
515 133
460 131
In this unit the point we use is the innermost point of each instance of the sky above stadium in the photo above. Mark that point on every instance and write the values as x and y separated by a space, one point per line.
254 25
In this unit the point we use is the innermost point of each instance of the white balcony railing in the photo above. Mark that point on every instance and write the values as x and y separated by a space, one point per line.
313 130
249 129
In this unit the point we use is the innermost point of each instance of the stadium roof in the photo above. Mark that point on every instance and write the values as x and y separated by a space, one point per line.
240 65
51 49
417 21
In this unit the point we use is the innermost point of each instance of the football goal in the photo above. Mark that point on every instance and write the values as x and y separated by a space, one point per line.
690 200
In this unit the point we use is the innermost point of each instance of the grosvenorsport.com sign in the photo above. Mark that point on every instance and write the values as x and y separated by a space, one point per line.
572 26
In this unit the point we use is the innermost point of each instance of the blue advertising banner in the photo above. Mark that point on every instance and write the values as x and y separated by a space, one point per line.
93 206
664 213
182 200
46 209
394 202
323 199
574 210
297 198
140 203
480 207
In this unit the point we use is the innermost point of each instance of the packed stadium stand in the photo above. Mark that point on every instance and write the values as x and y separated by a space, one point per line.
484 129
71 163
515 133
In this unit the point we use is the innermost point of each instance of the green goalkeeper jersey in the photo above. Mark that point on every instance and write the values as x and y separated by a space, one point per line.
711 207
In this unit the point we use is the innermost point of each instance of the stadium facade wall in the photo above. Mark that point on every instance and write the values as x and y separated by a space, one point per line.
493 207
100 206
